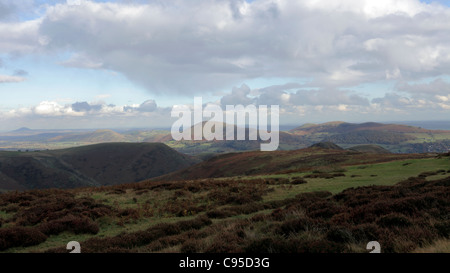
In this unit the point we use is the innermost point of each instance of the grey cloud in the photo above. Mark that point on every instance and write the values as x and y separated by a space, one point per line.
239 95
327 97
273 95
393 100
81 61
436 87
6 9
146 106
20 72
85 107
166 50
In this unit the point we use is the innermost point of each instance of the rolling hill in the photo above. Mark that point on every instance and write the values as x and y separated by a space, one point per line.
395 138
92 165
345 127
98 136
324 155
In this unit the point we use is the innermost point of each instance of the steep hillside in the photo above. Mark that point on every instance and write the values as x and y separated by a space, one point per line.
98 164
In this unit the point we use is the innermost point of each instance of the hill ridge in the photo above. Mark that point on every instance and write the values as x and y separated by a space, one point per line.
90 165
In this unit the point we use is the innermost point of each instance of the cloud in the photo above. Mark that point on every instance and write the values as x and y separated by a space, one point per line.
238 95
394 100
327 97
182 47
20 72
397 102
53 115
146 106
6 9
435 87
6 79
21 37
85 107
82 61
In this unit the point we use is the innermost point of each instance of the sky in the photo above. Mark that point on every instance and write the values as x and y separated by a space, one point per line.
121 64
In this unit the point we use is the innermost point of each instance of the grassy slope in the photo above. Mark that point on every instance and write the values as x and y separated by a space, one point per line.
258 163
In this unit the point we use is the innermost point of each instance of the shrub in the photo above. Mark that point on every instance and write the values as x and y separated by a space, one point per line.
219 214
394 220
20 237
228 242
71 223
196 223
298 181
366 232
340 235
443 228
298 225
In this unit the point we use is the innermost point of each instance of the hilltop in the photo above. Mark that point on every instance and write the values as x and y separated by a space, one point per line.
345 127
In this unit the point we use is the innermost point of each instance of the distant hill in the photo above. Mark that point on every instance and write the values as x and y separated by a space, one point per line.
22 129
287 141
326 145
394 137
370 137
338 127
375 149
92 165
98 136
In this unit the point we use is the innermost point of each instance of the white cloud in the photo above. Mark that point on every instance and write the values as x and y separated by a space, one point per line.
20 37
435 87
183 47
6 78
82 61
